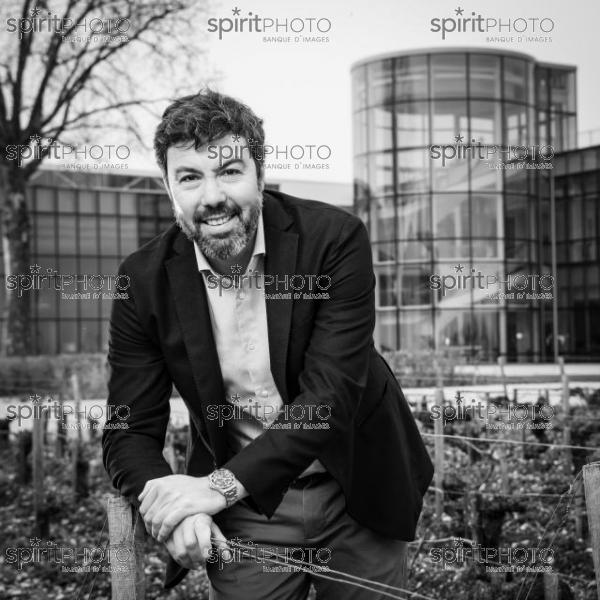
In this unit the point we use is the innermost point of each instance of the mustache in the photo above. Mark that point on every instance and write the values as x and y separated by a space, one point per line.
224 209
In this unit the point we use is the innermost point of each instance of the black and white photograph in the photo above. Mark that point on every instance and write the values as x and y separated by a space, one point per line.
299 301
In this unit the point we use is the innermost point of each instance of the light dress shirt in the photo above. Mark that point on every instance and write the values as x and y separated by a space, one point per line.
238 314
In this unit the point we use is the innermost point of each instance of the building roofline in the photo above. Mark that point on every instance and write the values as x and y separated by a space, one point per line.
552 65
447 50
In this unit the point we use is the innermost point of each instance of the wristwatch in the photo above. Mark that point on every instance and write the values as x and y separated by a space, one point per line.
224 482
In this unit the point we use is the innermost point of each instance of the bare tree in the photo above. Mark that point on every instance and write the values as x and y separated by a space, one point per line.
71 67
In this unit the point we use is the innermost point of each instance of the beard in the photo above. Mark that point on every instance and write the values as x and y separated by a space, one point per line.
225 245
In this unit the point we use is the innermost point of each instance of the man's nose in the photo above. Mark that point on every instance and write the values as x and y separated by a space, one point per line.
213 194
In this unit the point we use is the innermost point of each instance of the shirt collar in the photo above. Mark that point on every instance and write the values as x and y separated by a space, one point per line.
259 247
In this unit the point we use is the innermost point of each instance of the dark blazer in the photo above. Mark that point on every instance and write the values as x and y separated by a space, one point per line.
321 351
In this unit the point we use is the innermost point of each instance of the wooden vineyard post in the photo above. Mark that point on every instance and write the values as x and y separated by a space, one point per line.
126 540
591 483
551 586
438 429
566 412
39 502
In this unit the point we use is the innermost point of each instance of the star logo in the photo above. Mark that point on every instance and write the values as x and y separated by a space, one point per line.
35 268
236 269
236 11
459 11
458 138
35 139
35 398
459 398
34 12
235 397
235 138
459 268
34 541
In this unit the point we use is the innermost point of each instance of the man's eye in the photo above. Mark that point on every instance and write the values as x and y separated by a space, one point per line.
231 172
187 178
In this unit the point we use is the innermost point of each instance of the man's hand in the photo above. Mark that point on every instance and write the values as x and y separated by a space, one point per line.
166 501
190 543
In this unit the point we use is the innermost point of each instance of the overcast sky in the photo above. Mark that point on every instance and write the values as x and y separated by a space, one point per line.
302 90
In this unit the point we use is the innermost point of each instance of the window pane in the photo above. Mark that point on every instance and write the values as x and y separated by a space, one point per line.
450 175
380 129
90 336
515 79
562 91
66 201
451 225
516 124
454 331
47 342
68 336
448 75
485 122
67 243
484 76
379 76
360 132
381 174
45 199
416 330
359 88
109 240
87 201
129 241
88 238
386 286
414 217
148 205
449 120
108 203
47 303
486 226
411 78
164 207
45 236
382 218
414 285
412 120
413 171
385 330
127 203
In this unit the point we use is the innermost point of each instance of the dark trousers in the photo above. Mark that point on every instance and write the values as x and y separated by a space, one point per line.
311 524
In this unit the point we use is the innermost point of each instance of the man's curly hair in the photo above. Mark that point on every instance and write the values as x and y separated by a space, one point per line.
204 117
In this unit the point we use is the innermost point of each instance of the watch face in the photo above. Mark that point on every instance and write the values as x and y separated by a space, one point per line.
223 478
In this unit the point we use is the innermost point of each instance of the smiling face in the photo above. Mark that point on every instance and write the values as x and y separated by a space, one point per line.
216 200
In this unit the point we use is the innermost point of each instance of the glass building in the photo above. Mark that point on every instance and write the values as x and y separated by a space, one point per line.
432 215
84 223
577 184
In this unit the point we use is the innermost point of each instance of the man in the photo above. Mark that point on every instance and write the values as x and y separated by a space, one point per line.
259 308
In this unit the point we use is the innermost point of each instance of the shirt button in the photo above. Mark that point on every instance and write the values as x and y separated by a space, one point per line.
264 393
251 346
241 295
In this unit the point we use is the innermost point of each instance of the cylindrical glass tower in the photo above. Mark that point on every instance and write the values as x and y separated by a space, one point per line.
435 217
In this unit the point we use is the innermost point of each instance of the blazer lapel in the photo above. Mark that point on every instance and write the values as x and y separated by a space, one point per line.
193 312
280 261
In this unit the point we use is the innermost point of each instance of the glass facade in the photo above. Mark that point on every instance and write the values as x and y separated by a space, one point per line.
435 217
85 224
86 228
577 185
